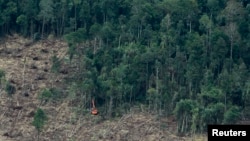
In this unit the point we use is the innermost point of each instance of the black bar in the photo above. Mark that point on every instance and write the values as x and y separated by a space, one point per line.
235 132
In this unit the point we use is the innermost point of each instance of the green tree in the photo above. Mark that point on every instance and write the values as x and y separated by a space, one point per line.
232 13
22 21
75 40
196 62
8 12
30 8
211 95
60 16
206 25
76 3
232 115
212 114
46 12
183 112
218 51
183 10
215 6
39 121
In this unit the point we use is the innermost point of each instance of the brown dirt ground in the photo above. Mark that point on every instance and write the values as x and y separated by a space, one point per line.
27 66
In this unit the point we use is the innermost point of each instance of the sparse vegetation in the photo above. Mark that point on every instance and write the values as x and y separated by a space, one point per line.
2 74
52 94
10 89
45 95
2 78
56 64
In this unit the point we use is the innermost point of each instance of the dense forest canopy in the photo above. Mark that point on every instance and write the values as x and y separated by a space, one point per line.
189 58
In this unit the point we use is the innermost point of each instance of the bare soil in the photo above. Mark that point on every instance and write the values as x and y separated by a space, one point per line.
27 66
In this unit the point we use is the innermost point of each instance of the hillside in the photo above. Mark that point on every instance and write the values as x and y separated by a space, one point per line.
31 76
186 58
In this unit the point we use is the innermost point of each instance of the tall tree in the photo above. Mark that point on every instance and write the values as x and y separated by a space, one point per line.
46 12
8 13
231 13
31 10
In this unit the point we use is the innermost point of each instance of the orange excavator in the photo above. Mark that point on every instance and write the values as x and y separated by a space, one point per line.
94 111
